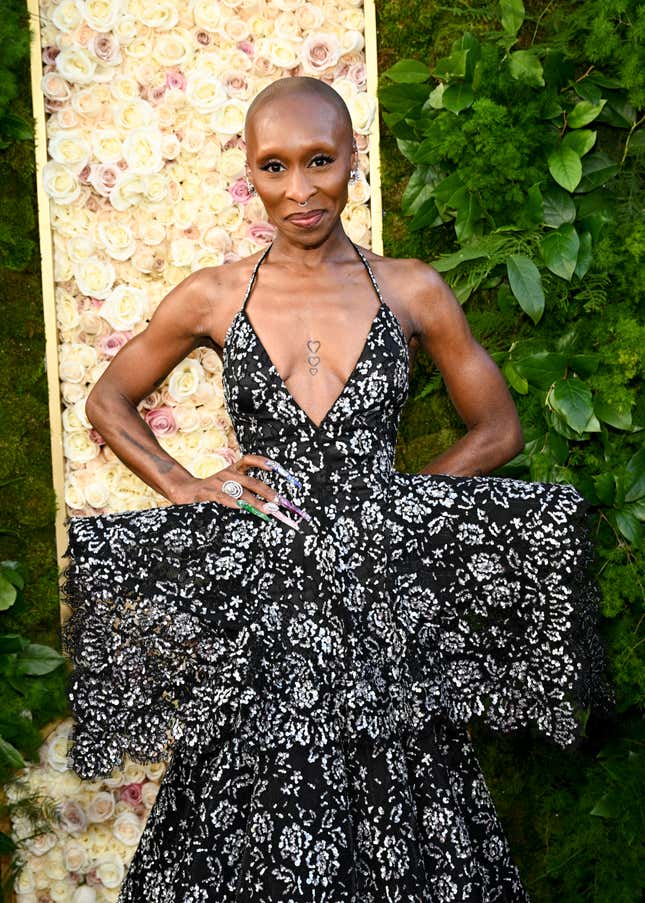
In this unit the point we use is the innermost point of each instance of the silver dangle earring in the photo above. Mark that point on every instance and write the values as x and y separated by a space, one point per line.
250 185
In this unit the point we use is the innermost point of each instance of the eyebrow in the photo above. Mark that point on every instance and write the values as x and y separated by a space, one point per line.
309 149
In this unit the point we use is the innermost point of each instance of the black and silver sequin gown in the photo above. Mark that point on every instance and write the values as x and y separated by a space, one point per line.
311 689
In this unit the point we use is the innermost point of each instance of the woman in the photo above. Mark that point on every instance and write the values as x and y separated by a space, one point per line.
308 630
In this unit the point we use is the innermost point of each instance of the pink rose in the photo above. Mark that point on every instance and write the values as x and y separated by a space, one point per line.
105 48
102 177
72 816
96 437
261 232
131 793
175 79
202 37
236 83
161 421
114 342
320 51
358 75
246 47
49 54
239 191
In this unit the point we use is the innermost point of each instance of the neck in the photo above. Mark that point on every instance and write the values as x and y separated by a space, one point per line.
310 255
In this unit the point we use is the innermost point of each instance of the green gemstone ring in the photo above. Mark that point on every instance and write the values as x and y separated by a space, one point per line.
244 504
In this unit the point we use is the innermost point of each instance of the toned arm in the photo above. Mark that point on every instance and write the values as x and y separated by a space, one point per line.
474 382
179 324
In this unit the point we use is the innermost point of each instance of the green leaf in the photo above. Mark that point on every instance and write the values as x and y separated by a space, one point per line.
457 98
419 189
38 659
605 488
636 471
618 417
451 261
436 97
453 66
628 525
512 14
559 207
426 216
605 808
566 167
468 214
571 399
585 255
515 380
10 756
526 67
560 251
526 284
8 593
583 113
408 72
581 142
597 170
540 368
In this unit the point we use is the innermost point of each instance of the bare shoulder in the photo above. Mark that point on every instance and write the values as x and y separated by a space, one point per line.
212 295
413 288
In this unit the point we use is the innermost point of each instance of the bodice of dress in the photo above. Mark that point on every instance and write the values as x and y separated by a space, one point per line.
351 452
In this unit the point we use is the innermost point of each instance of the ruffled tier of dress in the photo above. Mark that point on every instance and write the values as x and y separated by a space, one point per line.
192 623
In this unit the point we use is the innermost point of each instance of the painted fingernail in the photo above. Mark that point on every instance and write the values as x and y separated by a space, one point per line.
272 508
244 504
278 468
287 503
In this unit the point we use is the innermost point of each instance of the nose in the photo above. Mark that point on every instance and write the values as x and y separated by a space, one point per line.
299 187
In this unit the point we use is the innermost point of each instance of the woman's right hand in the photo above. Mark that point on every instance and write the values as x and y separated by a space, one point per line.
255 492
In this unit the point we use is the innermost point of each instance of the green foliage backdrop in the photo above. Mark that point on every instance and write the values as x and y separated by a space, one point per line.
512 159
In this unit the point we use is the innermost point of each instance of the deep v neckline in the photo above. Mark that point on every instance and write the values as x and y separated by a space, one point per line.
271 367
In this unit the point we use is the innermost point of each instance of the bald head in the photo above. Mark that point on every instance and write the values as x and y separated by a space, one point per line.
301 87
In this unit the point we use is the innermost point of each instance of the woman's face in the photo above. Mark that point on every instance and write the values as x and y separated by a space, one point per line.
298 149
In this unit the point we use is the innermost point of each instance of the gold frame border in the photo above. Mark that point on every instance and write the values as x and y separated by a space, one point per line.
46 243
47 275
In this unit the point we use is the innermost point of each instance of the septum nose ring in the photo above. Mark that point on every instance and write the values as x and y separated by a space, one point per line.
303 203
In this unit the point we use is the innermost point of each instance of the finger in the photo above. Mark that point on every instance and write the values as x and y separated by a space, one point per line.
268 464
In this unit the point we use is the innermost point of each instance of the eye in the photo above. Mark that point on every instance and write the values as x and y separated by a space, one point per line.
271 163
324 157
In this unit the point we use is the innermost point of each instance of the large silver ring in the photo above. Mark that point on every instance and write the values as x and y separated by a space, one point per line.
232 488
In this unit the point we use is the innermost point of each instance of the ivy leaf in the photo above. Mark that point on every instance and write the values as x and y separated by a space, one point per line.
636 471
453 66
618 417
585 255
408 72
540 368
519 383
457 98
628 525
558 206
597 170
38 659
451 261
583 113
560 251
566 167
571 399
512 15
526 67
526 284
581 142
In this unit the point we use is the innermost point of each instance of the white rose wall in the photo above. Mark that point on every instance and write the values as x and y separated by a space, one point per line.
139 109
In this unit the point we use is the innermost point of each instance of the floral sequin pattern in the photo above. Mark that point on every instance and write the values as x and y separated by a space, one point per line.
310 689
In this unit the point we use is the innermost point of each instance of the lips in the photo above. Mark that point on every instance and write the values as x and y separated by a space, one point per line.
311 218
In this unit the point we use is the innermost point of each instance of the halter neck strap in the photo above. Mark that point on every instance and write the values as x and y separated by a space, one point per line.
268 248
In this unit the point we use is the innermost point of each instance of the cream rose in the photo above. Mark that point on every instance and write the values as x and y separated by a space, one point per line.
282 53
78 446
124 307
206 258
60 183
185 379
110 868
173 49
217 239
186 418
182 251
125 29
362 109
205 465
80 247
76 65
134 114
66 16
101 15
207 14
116 240
159 14
107 146
142 150
67 313
203 92
94 276
309 17
129 189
